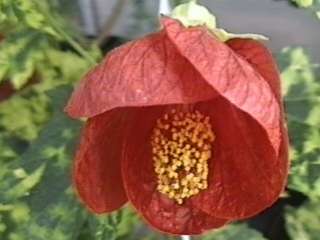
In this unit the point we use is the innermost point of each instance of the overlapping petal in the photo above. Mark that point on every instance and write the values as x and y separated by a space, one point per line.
141 182
148 71
245 174
229 74
97 169
255 53
261 59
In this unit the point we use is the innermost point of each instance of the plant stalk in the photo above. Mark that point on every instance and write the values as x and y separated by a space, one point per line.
185 237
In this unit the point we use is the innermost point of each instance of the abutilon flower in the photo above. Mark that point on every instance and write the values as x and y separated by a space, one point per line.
188 128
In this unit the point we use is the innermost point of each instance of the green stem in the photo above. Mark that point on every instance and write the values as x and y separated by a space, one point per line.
185 237
77 46
84 53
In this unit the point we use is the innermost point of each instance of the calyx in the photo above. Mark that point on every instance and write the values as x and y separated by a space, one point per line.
192 14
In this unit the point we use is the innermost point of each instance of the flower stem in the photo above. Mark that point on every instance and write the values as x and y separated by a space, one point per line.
75 45
84 53
185 237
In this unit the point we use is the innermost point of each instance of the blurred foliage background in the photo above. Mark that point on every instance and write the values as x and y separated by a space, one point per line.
43 53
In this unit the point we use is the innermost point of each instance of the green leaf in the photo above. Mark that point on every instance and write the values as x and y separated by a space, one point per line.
7 152
119 225
302 102
27 14
24 114
37 200
70 65
299 74
31 50
235 232
54 211
304 176
303 3
23 187
20 54
304 222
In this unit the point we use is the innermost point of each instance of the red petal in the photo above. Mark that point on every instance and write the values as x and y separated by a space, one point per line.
140 183
246 176
229 74
261 59
148 71
97 170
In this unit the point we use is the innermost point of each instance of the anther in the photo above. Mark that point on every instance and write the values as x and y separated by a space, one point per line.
181 147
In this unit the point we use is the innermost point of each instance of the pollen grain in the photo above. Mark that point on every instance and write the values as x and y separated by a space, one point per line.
181 147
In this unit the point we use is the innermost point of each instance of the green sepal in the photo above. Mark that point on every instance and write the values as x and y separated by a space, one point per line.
192 14
304 3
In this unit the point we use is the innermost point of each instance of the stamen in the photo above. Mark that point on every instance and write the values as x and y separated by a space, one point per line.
181 146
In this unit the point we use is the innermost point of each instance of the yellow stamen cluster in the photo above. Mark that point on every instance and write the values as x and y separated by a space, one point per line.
181 146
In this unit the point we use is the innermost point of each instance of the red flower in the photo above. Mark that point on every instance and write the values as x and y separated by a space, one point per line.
187 128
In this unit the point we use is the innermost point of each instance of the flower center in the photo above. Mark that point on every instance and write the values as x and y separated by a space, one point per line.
181 146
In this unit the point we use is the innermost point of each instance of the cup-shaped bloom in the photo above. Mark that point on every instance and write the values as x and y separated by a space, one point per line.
187 128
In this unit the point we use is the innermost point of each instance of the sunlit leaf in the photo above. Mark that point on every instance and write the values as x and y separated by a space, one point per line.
24 115
32 14
20 53
29 182
299 77
302 102
54 212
